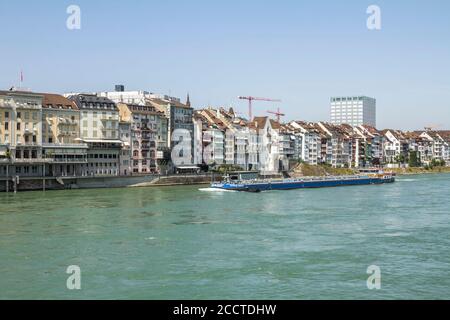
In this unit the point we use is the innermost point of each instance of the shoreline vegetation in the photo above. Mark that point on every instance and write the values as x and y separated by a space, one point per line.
420 170
307 170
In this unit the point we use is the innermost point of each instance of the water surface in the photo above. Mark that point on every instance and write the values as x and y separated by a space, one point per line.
183 243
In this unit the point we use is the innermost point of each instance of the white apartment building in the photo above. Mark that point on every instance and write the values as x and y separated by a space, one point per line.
355 111
136 97
214 150
309 148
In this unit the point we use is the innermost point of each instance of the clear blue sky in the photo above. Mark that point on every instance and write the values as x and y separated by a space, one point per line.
302 52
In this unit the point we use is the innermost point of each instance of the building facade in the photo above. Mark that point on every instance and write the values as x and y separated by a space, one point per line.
145 127
179 116
21 134
354 111
61 143
99 129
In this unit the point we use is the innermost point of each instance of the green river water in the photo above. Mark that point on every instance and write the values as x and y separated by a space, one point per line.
186 243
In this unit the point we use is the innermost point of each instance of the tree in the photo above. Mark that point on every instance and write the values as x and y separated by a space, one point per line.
437 163
400 159
414 160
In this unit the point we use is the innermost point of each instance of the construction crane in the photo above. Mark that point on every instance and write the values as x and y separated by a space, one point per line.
278 114
250 99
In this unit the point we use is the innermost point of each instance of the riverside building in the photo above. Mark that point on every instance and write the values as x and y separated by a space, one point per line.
179 116
61 143
21 134
99 129
145 130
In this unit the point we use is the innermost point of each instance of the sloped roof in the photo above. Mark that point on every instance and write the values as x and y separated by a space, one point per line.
169 102
56 101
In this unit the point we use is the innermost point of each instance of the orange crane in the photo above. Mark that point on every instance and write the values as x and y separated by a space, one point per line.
250 99
278 114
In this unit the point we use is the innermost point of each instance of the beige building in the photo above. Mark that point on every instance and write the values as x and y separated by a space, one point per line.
148 130
61 142
21 134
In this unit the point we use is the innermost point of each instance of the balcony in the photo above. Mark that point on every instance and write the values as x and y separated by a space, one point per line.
67 160
32 161
28 144
65 145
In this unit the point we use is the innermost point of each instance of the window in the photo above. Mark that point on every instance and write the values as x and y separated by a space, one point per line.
18 125
6 114
6 126
19 115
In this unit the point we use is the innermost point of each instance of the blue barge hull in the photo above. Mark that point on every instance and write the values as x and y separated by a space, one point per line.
258 186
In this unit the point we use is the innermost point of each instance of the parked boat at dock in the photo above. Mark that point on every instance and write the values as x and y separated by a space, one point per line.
258 185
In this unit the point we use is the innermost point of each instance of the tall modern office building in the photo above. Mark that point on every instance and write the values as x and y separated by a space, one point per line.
354 111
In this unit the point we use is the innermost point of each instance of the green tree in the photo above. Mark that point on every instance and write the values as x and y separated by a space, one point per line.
400 159
414 160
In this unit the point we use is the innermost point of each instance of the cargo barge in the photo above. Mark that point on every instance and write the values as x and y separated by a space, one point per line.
258 185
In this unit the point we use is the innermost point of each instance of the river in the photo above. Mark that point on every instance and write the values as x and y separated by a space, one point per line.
186 243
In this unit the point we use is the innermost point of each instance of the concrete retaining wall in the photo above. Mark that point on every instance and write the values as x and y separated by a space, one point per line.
29 184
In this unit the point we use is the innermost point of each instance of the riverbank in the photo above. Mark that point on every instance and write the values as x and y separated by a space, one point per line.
306 170
65 183
415 171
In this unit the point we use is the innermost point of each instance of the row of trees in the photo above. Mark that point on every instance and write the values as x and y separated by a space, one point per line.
413 160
